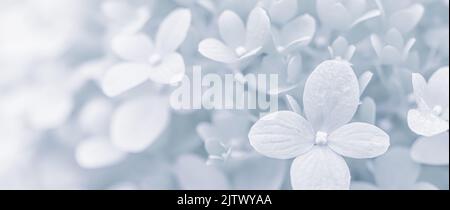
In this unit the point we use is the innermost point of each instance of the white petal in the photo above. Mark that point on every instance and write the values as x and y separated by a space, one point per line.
123 77
170 71
217 51
438 88
359 140
426 123
331 95
97 153
432 150
394 38
282 135
137 47
283 10
301 28
364 81
406 20
333 14
258 29
137 124
173 31
192 173
377 44
232 29
320 169
369 15
419 85
395 169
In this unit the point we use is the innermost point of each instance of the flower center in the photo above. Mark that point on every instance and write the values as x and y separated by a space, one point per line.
438 110
155 59
240 51
321 138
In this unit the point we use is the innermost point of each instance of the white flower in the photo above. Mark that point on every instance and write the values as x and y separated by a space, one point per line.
344 14
392 50
137 123
280 11
431 150
158 62
241 42
331 98
395 171
431 116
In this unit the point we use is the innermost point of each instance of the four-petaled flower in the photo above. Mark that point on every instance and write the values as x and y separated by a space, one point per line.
331 98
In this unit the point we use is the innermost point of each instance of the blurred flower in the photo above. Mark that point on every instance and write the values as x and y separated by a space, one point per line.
392 49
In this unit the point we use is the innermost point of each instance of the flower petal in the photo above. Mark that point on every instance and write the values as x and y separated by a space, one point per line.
333 14
301 28
123 77
320 169
331 95
231 29
425 123
432 150
359 140
419 85
137 124
97 153
170 71
258 29
217 51
438 88
282 135
283 10
173 31
406 20
136 48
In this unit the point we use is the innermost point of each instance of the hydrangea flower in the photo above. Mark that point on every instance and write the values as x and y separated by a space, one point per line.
158 62
242 42
431 150
395 171
392 49
331 98
431 116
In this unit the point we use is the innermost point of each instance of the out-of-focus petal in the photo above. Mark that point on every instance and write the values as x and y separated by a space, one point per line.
217 51
123 77
136 48
232 29
173 31
97 153
170 71
431 150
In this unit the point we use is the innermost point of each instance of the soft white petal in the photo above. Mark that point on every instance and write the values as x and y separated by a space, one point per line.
406 20
377 44
232 29
320 169
419 85
331 95
301 28
369 15
192 173
432 150
364 81
438 88
395 169
123 77
97 153
282 135
136 47
217 51
426 123
333 14
138 123
170 71
359 140
258 29
173 31
283 10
